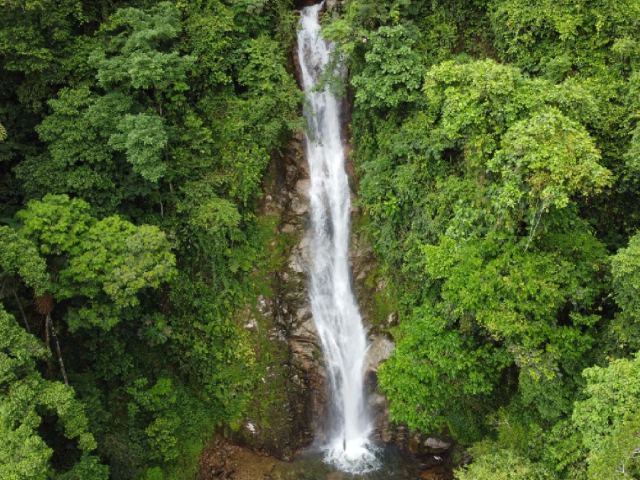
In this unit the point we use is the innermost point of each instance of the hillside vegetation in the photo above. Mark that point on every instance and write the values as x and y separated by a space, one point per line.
497 146
134 139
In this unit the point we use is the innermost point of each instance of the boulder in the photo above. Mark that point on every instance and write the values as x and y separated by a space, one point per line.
380 349
436 445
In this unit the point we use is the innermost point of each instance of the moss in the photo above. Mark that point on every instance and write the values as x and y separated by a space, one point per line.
376 304
273 398
270 407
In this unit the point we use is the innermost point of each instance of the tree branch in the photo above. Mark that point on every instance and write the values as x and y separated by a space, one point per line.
55 337
24 317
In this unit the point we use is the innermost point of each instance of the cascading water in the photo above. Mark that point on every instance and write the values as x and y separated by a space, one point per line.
333 303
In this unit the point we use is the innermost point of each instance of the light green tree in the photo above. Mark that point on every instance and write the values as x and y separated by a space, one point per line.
502 465
508 289
105 263
24 395
609 420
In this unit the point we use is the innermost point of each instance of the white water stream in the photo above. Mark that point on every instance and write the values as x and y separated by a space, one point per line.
333 303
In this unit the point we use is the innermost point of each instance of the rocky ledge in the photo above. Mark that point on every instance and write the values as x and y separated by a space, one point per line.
290 400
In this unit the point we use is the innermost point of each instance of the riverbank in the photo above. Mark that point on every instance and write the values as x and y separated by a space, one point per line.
223 460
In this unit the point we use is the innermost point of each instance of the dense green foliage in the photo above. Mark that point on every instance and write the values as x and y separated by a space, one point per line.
497 150
496 144
25 394
134 137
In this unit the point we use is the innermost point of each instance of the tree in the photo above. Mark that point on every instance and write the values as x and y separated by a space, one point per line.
106 263
139 75
502 293
503 465
625 270
140 57
609 419
122 116
24 395
20 257
393 72
434 365
40 42
560 38
79 160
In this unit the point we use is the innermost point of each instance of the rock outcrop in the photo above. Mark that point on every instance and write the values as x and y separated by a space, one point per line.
292 394
290 401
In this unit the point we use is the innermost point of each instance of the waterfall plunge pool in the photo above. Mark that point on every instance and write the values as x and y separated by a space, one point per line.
392 465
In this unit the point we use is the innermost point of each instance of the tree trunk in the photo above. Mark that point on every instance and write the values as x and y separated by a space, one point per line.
24 317
47 319
55 337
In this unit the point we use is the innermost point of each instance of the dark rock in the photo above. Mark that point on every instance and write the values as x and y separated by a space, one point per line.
437 473
413 445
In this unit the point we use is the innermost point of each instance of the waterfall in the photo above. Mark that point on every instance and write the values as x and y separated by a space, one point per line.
333 303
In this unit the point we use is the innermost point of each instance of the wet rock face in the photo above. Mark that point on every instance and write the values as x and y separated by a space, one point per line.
380 349
292 393
436 445
438 473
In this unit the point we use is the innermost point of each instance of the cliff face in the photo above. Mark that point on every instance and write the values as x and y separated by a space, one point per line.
291 395
286 414
290 401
